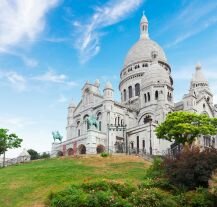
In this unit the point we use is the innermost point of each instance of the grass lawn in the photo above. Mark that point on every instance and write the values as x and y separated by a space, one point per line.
29 184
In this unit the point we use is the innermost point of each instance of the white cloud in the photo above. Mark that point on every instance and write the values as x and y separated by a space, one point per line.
14 123
30 62
53 77
201 15
22 83
89 33
15 80
22 20
186 35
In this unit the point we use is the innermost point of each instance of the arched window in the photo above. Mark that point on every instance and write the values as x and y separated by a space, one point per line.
156 95
137 89
100 125
85 121
99 118
78 128
122 122
169 96
143 144
115 121
149 97
145 98
118 121
130 91
125 95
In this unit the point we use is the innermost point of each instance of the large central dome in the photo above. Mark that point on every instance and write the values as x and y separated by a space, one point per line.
143 50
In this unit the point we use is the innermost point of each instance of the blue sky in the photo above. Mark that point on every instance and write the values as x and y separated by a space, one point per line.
48 49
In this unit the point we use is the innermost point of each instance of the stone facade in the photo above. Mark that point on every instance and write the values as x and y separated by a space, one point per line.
146 88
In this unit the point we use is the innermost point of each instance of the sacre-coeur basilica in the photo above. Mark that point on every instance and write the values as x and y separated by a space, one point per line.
99 123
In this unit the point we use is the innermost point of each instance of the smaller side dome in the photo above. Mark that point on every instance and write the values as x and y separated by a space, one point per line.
108 85
156 74
198 75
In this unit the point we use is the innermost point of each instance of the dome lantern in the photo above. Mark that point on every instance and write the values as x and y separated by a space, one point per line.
144 27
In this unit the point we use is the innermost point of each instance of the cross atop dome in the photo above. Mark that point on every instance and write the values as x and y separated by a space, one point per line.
144 27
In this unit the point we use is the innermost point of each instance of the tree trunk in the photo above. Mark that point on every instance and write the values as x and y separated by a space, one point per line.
4 159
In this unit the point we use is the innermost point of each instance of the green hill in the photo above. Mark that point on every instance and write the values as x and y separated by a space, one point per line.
30 184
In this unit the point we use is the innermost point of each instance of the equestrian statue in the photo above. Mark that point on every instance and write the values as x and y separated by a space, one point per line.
92 121
57 136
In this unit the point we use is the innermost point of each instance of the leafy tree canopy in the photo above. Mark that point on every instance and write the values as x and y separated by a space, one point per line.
184 127
8 141
34 154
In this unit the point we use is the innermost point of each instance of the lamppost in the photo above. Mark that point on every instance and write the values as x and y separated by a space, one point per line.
117 128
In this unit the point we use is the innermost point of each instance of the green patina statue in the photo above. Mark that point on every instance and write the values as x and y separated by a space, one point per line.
57 136
92 121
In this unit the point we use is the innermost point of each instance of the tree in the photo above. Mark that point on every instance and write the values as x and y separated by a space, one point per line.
8 141
45 155
34 155
185 127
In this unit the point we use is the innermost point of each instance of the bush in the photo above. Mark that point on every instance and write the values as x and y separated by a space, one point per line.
97 194
201 197
104 154
160 183
110 194
191 168
152 198
45 155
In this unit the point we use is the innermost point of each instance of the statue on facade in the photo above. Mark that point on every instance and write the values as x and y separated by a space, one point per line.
57 136
92 121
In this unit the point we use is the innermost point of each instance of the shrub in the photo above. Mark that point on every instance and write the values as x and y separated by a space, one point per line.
156 170
114 194
110 194
200 198
191 168
104 154
96 194
152 198
161 183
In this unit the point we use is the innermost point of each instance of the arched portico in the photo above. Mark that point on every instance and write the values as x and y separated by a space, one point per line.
59 153
81 149
70 152
100 148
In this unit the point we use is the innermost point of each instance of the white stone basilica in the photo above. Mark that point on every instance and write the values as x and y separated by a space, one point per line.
146 88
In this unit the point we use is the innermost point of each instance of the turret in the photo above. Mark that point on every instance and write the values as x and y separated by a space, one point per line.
108 91
199 85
